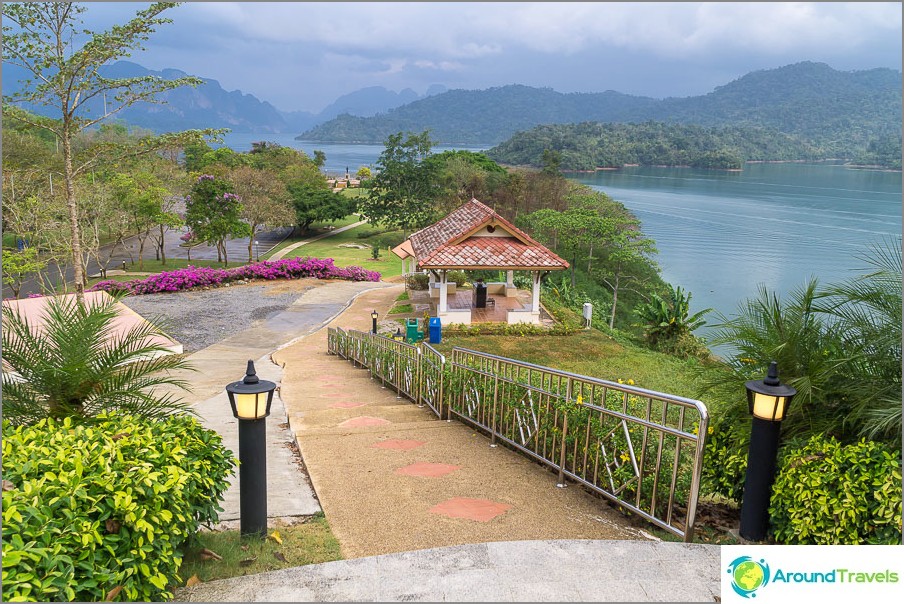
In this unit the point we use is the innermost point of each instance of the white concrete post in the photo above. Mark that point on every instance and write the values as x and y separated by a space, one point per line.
510 279
535 299
443 290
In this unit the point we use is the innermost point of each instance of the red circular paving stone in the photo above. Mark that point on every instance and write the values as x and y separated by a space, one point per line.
481 510
346 405
364 421
399 445
424 469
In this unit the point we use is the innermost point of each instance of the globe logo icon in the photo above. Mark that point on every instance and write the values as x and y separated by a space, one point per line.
748 575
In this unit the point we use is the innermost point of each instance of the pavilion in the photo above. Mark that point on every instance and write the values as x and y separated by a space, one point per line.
475 237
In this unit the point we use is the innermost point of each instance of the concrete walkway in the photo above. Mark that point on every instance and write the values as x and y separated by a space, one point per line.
289 248
424 509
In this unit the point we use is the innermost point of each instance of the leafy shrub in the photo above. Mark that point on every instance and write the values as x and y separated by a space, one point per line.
417 281
100 510
832 494
505 329
724 463
388 240
457 277
667 322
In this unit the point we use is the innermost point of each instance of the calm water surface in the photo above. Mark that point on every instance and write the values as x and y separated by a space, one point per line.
721 234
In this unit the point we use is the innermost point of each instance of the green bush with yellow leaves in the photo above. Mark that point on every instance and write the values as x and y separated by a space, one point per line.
101 510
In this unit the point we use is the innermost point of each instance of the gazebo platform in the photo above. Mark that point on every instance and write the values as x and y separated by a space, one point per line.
462 299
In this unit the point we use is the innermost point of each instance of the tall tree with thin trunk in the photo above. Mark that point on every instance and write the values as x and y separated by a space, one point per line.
265 200
49 41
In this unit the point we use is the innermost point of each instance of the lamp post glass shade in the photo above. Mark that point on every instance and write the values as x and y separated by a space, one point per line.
768 398
251 397
374 315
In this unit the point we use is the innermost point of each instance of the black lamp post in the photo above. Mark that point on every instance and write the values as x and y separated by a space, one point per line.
374 315
768 401
250 400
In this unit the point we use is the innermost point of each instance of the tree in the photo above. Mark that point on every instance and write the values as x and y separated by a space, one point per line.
18 265
313 205
73 366
264 199
143 196
363 173
47 42
626 248
213 212
401 193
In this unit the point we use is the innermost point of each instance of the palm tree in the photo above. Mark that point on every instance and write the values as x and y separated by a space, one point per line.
805 345
868 310
76 364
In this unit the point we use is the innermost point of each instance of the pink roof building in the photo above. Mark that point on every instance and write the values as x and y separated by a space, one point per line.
475 237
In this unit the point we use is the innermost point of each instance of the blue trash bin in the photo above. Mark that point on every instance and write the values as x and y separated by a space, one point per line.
436 330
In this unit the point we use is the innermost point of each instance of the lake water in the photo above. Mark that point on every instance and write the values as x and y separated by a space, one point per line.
721 234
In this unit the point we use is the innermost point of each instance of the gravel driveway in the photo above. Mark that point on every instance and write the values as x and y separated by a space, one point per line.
198 319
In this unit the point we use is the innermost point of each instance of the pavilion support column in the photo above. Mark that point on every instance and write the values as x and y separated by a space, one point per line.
510 279
443 291
535 297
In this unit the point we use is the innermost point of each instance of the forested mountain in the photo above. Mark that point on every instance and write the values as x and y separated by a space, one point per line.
592 145
210 106
485 116
842 114
206 106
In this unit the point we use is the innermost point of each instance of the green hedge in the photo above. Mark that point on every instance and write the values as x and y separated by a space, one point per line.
100 511
832 494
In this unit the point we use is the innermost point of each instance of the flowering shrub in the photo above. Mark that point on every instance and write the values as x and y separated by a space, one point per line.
192 276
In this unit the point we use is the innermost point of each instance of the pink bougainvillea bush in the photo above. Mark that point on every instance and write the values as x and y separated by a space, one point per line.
192 276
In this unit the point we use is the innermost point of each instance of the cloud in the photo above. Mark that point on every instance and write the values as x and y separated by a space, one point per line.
308 53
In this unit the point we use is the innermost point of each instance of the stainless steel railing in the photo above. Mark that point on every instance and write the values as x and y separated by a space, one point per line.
640 449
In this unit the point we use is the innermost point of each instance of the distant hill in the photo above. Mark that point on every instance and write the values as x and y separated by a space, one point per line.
210 106
841 113
484 116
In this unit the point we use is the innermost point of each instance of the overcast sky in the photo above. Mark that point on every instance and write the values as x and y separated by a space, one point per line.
303 55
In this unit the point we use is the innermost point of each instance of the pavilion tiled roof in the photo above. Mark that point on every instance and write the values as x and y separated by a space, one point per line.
447 244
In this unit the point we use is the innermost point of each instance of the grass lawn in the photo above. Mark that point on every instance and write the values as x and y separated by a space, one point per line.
590 353
310 542
329 247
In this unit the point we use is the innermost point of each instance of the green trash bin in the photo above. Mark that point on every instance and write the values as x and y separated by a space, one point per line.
411 332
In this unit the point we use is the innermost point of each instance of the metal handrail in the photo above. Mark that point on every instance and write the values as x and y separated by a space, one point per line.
650 443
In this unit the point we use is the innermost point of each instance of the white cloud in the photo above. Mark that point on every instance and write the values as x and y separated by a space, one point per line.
475 28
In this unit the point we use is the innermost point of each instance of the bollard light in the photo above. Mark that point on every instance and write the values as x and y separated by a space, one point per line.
768 400
374 315
250 399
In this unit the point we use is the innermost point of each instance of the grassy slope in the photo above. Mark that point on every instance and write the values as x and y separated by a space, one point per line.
328 247
591 353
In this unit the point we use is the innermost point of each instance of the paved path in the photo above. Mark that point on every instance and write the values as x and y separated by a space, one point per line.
282 253
423 509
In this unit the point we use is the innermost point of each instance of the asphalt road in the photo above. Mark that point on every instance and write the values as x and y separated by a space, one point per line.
236 250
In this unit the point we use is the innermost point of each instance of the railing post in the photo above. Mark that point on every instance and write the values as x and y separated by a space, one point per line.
495 404
442 397
561 481
417 378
